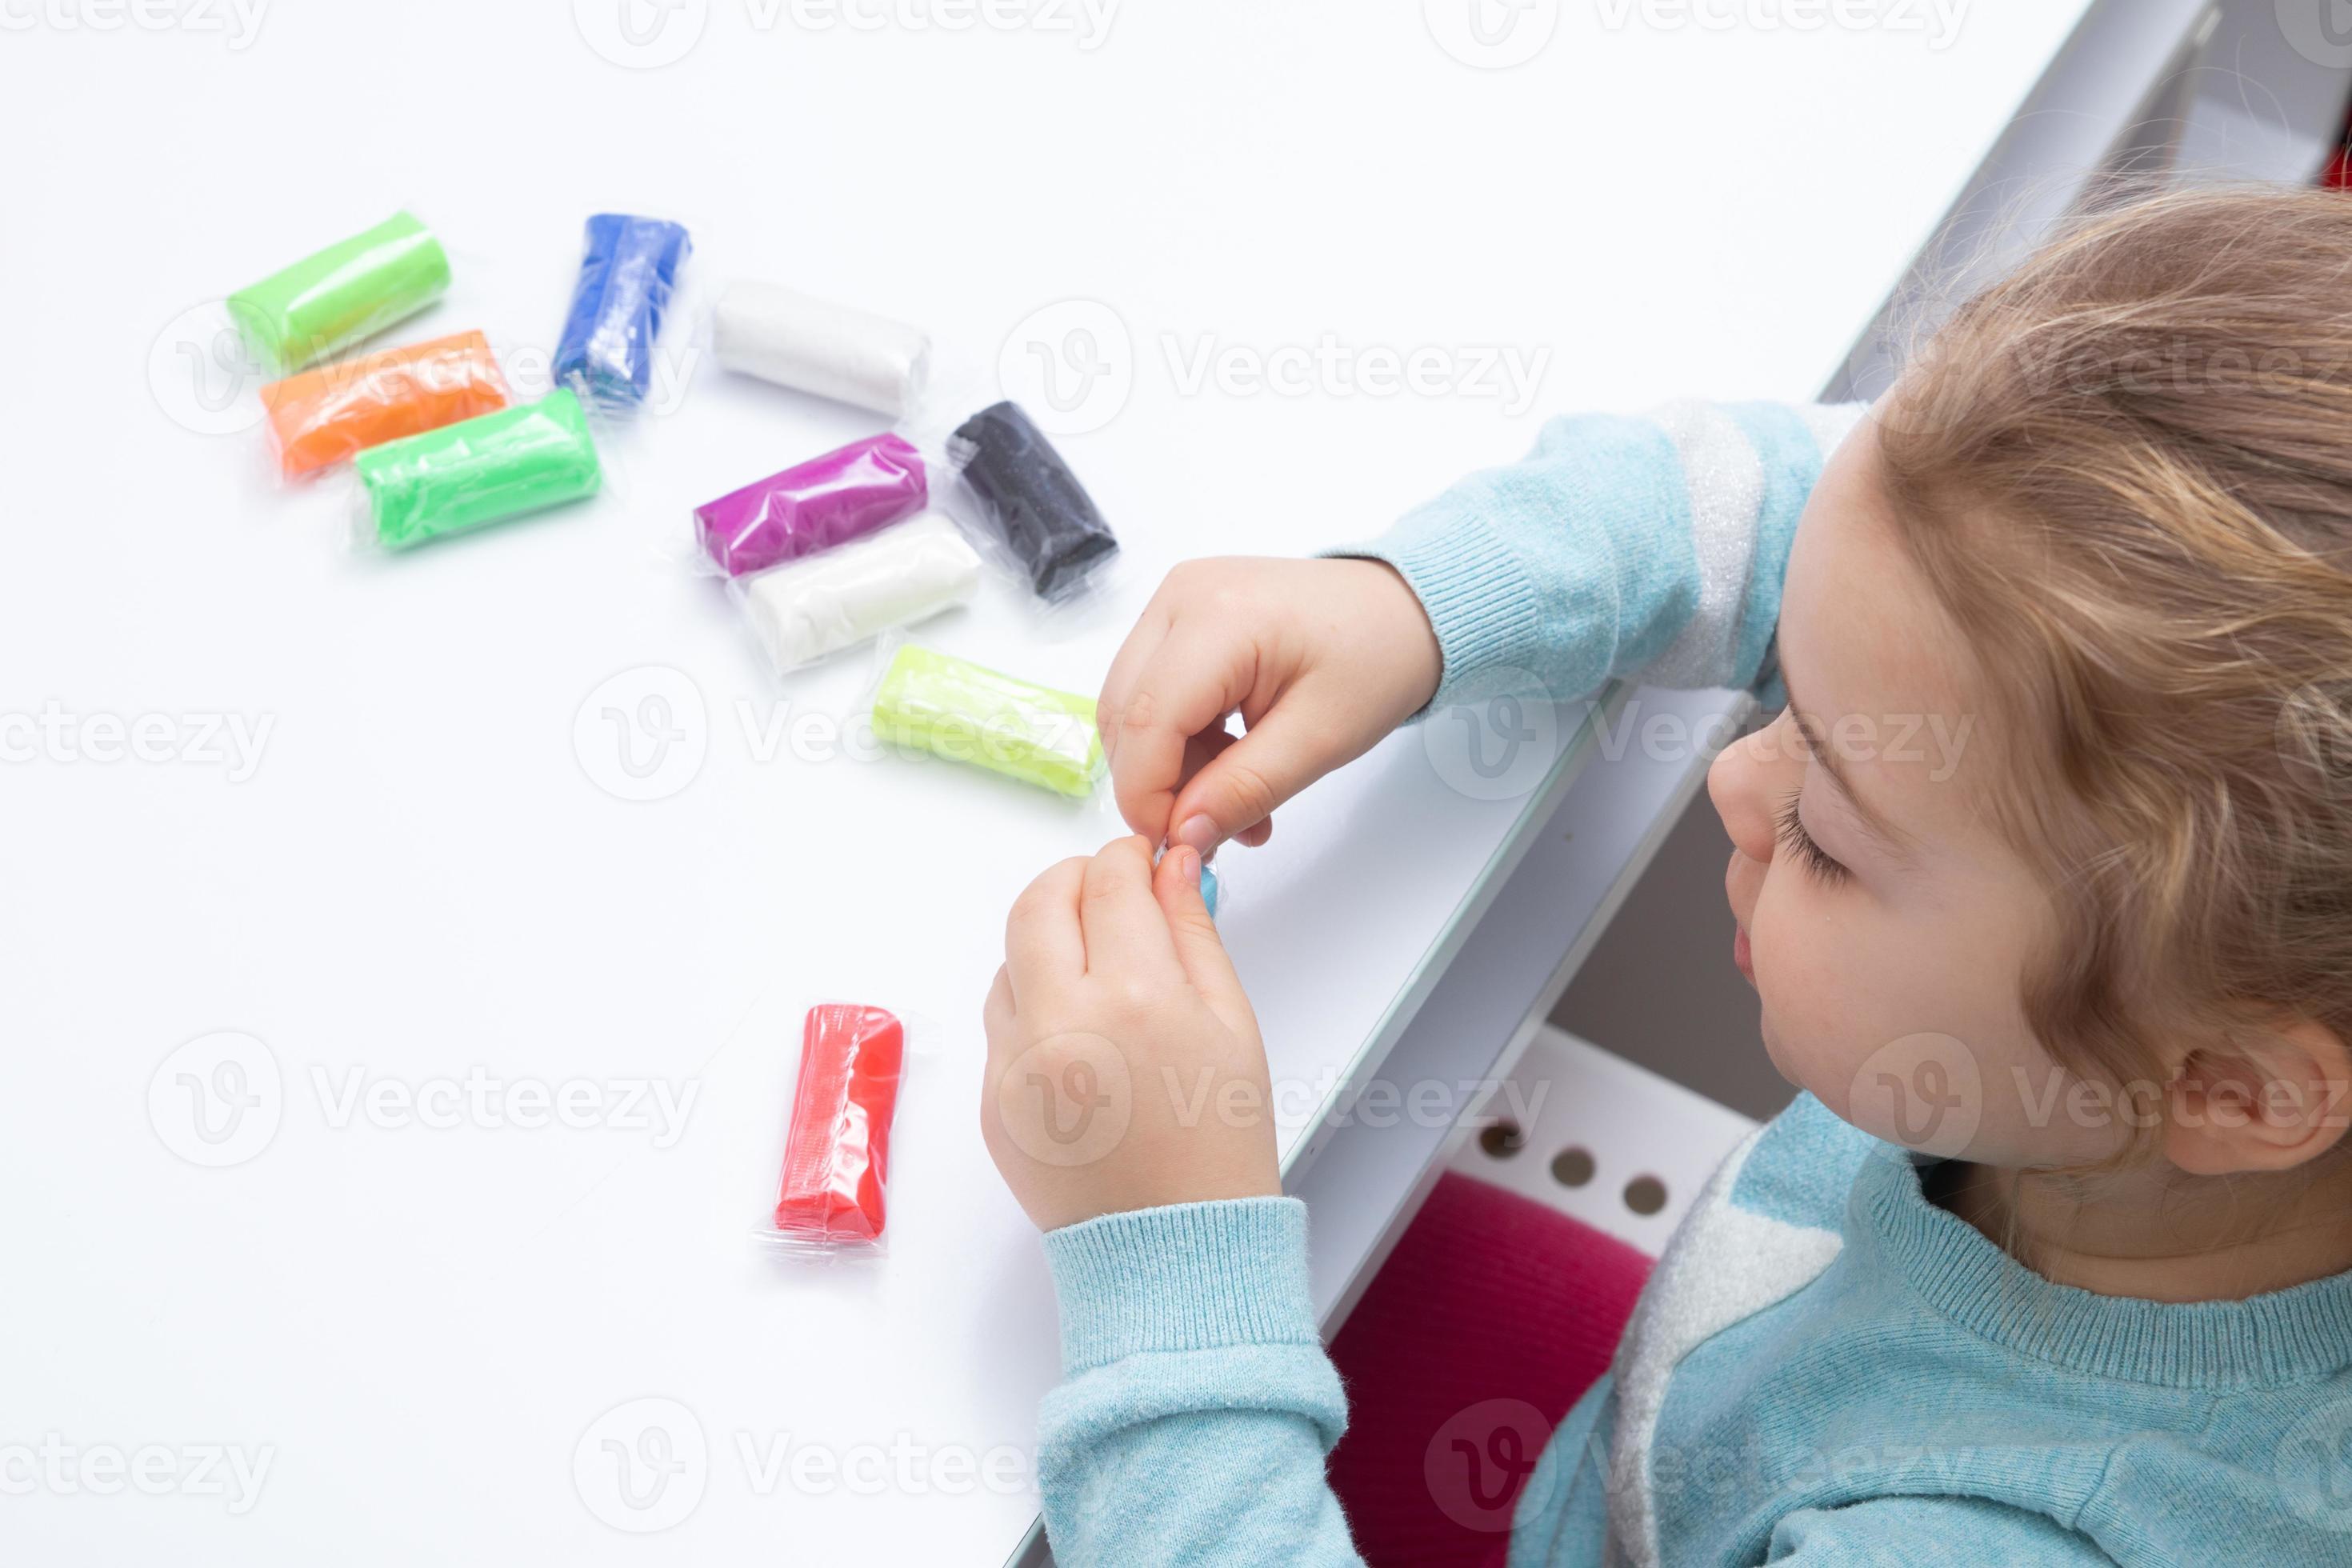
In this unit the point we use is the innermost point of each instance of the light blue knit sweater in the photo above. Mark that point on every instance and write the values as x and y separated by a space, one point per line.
1825 1368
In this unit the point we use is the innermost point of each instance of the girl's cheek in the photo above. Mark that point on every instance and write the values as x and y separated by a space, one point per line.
1811 981
1779 963
1781 935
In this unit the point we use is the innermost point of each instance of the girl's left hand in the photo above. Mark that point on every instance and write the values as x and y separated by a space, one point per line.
1125 1070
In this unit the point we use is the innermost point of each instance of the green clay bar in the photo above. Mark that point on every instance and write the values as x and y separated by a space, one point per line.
954 709
351 291
479 471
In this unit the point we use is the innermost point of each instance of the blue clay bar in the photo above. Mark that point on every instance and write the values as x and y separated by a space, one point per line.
631 267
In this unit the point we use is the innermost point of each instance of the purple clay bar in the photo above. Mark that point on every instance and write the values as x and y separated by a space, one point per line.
813 506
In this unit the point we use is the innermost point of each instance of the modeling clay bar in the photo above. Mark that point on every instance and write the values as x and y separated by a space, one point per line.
954 709
351 291
812 506
838 1144
1028 496
838 598
813 345
325 416
480 471
606 352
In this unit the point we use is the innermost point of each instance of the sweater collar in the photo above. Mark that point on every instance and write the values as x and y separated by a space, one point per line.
2283 1337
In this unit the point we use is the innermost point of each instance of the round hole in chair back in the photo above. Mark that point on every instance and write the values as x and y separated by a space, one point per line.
1502 1141
1646 1194
1572 1167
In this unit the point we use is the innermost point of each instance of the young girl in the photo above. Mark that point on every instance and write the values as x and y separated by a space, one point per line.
2047 1262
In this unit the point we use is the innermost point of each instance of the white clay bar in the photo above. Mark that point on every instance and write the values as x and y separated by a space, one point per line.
838 598
814 345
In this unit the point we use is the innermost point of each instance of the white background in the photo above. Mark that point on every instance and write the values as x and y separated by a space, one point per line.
422 875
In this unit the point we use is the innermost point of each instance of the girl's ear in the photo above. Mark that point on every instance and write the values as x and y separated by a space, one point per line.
2258 1101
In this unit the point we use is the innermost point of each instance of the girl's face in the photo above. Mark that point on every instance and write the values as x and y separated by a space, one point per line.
1883 918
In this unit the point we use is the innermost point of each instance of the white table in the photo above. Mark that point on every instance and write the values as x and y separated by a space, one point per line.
418 1325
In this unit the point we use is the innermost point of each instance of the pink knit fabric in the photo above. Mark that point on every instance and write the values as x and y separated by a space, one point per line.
1489 1319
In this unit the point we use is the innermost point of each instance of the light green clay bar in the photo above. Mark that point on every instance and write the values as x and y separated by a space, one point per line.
480 471
351 291
954 709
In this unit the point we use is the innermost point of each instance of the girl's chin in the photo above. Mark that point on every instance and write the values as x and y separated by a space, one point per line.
1773 1054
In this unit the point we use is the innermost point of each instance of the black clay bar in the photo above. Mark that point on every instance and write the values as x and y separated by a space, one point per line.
1032 499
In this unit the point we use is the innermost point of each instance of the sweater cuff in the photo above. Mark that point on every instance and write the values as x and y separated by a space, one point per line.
1185 1277
1478 597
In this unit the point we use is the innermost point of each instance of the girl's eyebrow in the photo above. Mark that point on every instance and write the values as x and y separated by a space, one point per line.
1889 837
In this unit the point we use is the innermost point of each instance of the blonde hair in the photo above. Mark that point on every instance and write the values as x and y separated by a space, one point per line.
2126 470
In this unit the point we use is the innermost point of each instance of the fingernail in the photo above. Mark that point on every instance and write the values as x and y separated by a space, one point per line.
1199 833
1188 866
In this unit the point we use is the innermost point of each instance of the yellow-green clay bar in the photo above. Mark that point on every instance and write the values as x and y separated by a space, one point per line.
954 709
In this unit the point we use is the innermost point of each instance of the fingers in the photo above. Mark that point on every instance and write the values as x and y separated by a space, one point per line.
1124 931
1186 686
1044 941
1199 752
1203 749
1238 789
1177 887
1133 654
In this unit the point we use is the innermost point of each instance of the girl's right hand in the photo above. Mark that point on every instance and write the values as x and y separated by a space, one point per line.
1125 1067
1321 659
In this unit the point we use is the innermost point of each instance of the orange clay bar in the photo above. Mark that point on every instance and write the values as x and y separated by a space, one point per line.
322 416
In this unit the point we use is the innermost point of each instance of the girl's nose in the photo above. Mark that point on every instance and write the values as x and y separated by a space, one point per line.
1739 782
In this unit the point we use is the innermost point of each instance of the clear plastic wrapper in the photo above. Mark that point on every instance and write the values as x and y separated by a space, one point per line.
812 506
963 712
627 275
322 416
477 472
816 346
1022 493
340 296
838 598
831 1199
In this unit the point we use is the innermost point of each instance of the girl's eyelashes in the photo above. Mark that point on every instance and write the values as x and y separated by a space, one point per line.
1797 841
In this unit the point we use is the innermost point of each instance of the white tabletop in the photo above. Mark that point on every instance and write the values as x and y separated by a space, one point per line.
419 1329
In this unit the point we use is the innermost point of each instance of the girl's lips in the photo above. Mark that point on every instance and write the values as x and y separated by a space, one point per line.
1739 954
